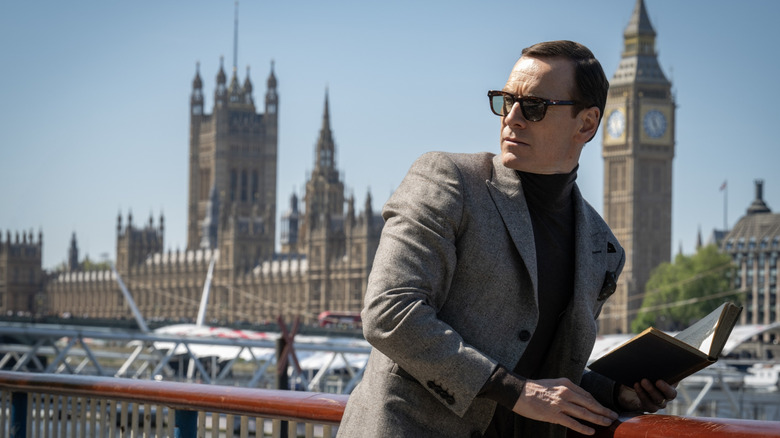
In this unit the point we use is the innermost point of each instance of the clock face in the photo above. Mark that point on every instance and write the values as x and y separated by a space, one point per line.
654 123
616 123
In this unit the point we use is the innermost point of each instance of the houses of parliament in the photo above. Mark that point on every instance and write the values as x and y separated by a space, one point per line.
328 243
326 250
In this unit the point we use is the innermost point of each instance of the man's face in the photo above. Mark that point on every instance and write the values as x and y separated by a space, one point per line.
553 144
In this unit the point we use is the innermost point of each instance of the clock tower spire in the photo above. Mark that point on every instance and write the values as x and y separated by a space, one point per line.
638 149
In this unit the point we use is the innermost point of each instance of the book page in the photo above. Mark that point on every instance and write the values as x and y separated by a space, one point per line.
700 334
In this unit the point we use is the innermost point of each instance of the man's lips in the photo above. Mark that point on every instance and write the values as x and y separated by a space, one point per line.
514 141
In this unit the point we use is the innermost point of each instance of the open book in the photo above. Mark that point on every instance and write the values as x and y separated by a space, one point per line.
656 355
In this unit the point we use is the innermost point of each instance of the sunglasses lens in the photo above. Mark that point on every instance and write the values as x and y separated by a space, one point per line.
533 109
501 105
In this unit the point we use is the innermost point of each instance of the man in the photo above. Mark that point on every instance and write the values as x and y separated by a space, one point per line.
490 274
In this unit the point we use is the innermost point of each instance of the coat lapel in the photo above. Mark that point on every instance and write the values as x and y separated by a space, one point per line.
506 190
590 252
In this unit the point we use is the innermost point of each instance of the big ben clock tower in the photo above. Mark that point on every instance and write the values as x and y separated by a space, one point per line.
638 149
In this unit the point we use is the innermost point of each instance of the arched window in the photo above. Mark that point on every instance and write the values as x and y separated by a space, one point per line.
233 184
243 186
254 187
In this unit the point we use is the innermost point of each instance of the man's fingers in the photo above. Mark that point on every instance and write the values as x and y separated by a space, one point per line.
652 392
654 396
670 392
562 402
586 413
576 426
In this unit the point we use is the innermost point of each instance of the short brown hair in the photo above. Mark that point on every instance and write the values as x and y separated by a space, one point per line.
590 82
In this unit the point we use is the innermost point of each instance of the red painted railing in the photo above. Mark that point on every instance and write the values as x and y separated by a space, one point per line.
284 405
327 409
668 426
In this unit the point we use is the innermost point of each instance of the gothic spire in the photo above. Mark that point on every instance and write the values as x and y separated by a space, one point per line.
73 254
272 77
197 83
235 40
326 114
271 98
639 63
221 77
220 93
247 82
326 149
639 24
196 99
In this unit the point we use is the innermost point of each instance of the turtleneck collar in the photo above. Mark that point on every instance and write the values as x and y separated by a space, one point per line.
548 192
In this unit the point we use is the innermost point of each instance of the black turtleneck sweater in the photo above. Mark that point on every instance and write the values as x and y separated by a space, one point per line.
552 217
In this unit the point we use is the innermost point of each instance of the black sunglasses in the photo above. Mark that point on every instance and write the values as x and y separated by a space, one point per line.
533 108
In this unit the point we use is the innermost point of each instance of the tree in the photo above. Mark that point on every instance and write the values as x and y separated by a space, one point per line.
89 265
86 265
680 293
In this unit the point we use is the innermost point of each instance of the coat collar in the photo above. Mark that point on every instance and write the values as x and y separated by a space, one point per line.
506 189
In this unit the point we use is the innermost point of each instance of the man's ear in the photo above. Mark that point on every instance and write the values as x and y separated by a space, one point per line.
589 124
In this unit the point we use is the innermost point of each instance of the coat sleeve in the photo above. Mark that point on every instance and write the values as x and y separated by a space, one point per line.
411 276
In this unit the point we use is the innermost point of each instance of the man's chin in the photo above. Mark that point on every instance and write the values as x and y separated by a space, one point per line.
512 161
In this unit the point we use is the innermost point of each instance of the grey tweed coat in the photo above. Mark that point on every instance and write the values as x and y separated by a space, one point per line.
453 293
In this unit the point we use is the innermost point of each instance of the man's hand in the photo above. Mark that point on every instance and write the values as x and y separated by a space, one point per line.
562 402
645 396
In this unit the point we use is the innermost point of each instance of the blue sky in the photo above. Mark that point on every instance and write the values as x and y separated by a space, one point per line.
94 98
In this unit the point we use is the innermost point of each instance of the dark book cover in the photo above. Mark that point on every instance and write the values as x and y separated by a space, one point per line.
655 355
652 355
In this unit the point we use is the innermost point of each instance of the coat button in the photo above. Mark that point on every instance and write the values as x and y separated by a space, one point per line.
525 335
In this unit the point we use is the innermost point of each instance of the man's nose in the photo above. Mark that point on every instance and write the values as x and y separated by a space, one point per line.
515 116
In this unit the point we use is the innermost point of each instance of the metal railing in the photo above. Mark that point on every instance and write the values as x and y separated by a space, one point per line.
217 360
50 405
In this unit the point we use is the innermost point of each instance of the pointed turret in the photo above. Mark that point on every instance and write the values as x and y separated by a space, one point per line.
220 93
73 254
350 218
234 90
271 97
367 209
639 24
326 149
247 89
639 63
196 98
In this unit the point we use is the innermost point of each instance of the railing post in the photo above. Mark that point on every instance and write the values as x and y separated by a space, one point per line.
282 381
186 424
18 427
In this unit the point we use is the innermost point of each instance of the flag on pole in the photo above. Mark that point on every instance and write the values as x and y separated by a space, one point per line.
723 186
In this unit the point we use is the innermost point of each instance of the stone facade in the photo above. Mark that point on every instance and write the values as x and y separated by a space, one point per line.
21 275
326 253
754 245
